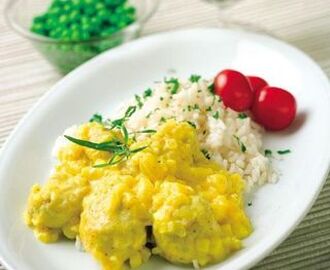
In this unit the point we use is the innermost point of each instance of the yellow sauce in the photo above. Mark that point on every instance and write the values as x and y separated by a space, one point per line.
195 207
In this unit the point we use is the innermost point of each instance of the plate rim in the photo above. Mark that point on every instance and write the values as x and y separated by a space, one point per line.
56 90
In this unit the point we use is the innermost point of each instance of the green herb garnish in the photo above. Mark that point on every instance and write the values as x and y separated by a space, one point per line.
208 109
125 133
194 78
191 123
215 98
268 152
196 107
139 101
119 148
211 88
216 115
249 203
129 112
98 118
144 131
136 150
284 152
162 119
147 93
240 143
173 84
109 146
242 115
119 122
206 153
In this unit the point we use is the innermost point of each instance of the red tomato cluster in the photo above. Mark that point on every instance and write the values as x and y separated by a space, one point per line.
272 107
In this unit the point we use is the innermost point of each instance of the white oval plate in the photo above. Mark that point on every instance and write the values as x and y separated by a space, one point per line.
102 83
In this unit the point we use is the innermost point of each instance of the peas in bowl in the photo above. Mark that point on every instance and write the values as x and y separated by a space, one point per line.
70 32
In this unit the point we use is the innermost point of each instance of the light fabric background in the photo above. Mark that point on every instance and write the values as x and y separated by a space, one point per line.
25 76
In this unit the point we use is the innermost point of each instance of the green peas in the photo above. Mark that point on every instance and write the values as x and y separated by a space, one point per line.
88 2
50 24
114 3
67 7
38 28
130 10
63 19
108 32
96 21
54 11
103 14
59 3
89 10
74 16
85 36
113 19
86 28
83 19
39 19
66 35
77 5
73 21
100 6
56 33
74 26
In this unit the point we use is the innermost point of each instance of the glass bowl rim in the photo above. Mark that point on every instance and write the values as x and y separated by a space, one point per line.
9 6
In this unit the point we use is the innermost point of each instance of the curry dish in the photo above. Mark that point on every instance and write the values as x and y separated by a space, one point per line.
166 199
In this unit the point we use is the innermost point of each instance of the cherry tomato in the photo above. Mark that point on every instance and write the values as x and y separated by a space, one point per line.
234 90
256 83
274 108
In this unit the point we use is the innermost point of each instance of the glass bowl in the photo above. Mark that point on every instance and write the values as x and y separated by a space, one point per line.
67 55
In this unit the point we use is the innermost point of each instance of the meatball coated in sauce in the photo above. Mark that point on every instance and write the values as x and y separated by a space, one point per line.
195 207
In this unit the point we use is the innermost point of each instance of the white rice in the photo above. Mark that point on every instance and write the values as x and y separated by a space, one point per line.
221 137
220 130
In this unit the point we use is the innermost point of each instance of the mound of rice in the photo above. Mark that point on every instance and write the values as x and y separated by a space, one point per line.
231 139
